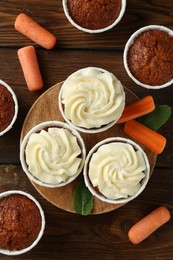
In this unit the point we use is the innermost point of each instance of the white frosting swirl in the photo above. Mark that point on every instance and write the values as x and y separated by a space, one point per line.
92 98
117 169
52 155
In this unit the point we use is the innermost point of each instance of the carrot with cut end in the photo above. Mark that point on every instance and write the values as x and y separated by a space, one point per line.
154 141
31 29
146 226
139 108
28 60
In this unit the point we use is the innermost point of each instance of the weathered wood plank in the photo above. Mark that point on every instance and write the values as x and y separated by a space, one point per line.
71 236
56 66
51 16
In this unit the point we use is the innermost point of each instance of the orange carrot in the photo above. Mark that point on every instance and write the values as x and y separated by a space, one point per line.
28 60
146 226
154 141
31 29
139 108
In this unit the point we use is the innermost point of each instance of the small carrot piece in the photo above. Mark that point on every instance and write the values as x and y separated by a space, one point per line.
146 226
29 63
154 141
139 108
31 29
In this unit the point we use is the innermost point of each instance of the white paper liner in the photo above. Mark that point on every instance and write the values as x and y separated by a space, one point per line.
22 251
86 167
38 128
131 41
123 8
91 130
15 107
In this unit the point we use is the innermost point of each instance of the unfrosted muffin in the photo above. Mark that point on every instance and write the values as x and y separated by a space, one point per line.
52 154
21 222
91 100
94 16
116 170
148 56
8 107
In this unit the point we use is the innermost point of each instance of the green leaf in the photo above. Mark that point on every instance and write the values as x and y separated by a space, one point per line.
156 118
83 199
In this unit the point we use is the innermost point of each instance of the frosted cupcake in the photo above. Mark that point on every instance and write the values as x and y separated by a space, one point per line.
116 170
91 100
52 154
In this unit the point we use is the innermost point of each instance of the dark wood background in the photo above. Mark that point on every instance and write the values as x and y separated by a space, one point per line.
67 235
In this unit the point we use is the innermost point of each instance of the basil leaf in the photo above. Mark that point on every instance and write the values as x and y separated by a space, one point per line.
83 199
156 118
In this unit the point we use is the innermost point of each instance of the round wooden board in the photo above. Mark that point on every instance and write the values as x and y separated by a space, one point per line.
45 109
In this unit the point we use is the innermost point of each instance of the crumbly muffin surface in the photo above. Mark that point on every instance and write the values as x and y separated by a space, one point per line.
95 14
7 108
20 222
150 57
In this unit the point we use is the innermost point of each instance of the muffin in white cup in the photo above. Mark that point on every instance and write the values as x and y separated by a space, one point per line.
94 16
22 222
116 170
91 100
148 57
8 107
52 154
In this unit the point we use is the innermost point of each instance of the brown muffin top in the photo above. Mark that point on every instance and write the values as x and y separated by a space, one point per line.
95 14
7 108
20 222
150 57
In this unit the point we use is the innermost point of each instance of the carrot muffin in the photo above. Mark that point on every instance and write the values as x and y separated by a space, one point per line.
7 108
91 98
116 170
150 57
96 14
53 155
20 222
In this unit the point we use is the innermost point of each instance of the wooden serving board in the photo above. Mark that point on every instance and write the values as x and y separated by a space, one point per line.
46 109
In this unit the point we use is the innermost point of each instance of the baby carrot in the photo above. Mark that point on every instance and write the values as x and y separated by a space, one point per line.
154 141
31 29
146 226
139 108
28 60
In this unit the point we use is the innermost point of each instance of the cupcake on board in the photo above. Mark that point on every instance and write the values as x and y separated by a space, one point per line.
52 154
91 100
116 170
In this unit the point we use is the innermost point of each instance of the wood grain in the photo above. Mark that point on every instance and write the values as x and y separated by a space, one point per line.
51 16
46 109
70 236
57 66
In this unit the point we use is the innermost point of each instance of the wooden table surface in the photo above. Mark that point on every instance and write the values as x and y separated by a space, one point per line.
67 235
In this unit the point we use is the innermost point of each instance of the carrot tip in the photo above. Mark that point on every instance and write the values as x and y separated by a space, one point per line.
29 63
31 29
154 141
138 108
146 226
